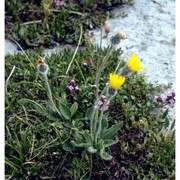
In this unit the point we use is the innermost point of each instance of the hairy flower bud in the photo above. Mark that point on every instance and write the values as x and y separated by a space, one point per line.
117 37
107 27
122 35
42 67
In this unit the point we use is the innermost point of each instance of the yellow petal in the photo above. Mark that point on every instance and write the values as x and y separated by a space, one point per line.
116 81
134 63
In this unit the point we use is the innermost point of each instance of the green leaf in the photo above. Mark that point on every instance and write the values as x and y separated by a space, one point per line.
159 137
133 97
100 144
87 137
63 98
89 112
57 34
105 155
109 142
12 165
166 122
38 107
80 144
91 149
51 115
74 108
57 124
43 111
165 114
173 124
148 104
65 111
109 133
67 146
21 31
79 137
104 124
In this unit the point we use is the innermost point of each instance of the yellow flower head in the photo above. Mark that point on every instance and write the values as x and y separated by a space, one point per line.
134 63
40 61
116 81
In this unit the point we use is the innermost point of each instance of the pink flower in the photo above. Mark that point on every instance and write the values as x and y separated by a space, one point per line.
167 98
59 3
171 103
159 99
101 103
170 98
72 86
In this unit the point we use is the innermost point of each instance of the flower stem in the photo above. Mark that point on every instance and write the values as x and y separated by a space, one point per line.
94 120
94 115
98 133
117 67
101 38
49 93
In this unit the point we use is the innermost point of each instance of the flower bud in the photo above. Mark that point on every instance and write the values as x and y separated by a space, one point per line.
122 35
42 67
117 37
107 27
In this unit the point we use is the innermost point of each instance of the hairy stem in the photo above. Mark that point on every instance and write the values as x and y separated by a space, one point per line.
49 93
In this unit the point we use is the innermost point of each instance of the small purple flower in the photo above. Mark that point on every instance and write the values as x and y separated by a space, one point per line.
59 3
72 86
101 102
159 99
167 98
106 107
170 98
171 103
170 94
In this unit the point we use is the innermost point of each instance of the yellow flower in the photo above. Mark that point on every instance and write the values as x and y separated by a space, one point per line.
134 63
40 60
116 81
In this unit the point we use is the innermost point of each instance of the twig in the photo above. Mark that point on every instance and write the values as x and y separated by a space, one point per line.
72 12
7 80
75 52
78 13
31 22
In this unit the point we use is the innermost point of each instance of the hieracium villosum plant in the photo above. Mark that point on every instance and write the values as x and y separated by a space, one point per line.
94 108
97 136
